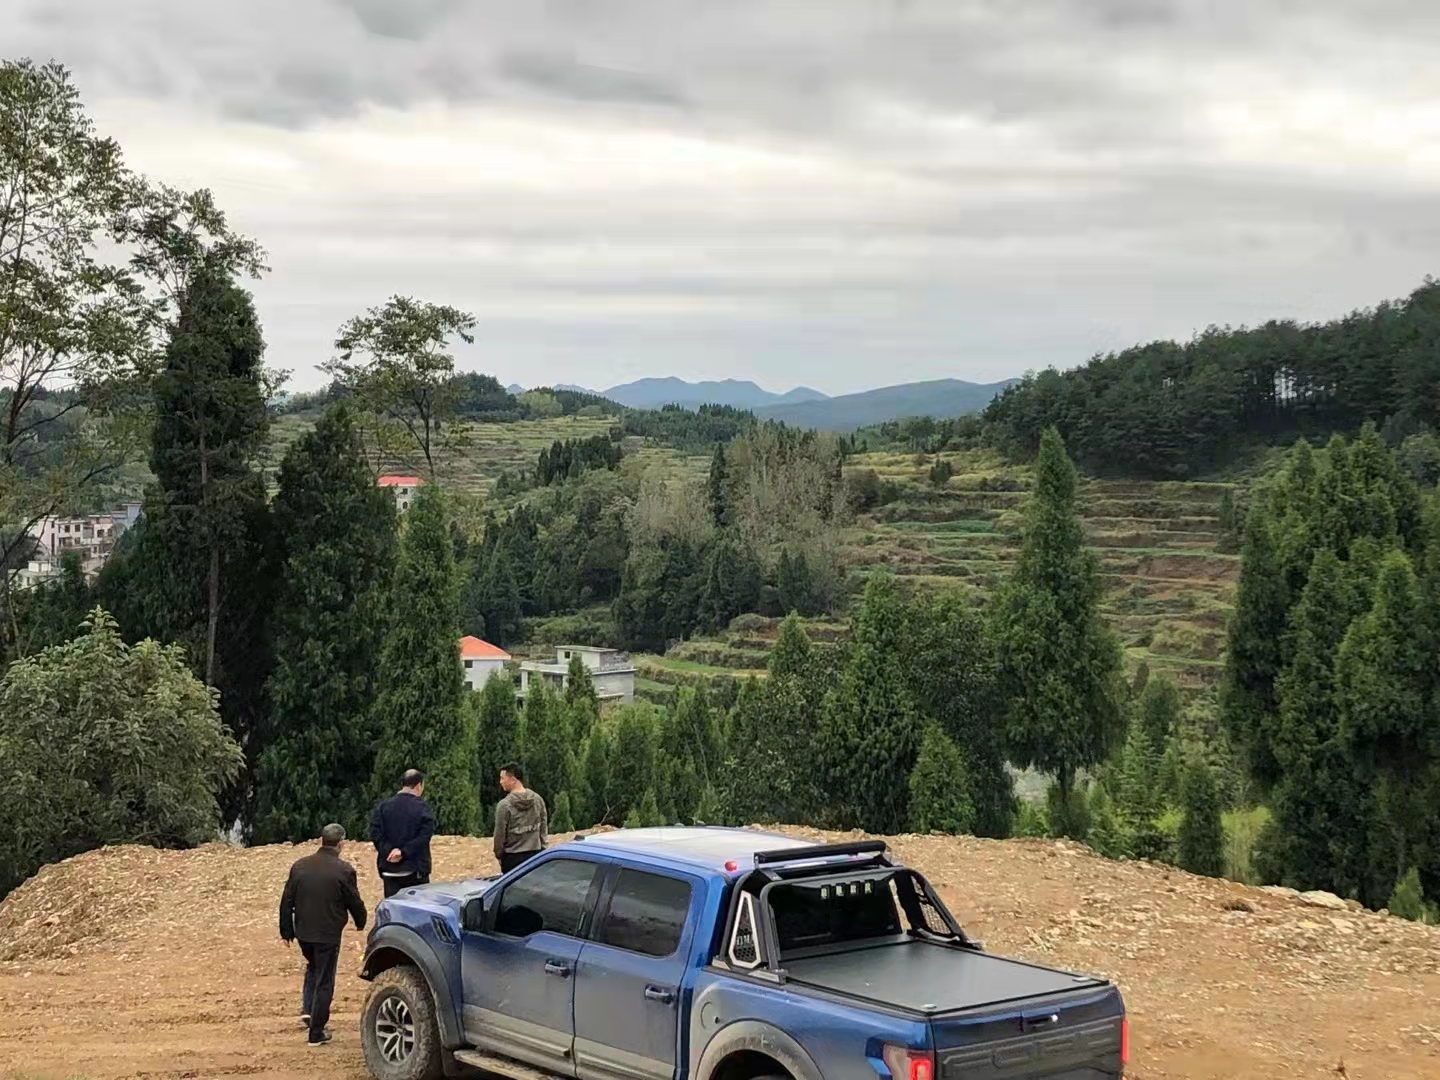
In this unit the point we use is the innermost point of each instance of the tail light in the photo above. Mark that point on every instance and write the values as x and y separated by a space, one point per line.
1124 1041
907 1064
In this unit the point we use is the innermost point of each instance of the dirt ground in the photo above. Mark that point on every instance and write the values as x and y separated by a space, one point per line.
129 962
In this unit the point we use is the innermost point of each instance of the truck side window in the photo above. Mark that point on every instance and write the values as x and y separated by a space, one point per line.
647 913
551 897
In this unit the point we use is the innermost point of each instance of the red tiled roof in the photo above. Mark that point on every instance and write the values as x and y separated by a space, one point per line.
472 648
399 481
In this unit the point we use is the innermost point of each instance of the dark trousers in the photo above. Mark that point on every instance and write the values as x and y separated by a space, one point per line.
511 859
320 961
395 884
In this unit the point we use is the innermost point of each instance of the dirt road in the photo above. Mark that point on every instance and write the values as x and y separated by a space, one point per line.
136 963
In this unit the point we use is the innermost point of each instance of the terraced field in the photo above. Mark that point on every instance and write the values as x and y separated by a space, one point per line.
1168 586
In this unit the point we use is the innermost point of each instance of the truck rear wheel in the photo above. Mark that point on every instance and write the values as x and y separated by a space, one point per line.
397 1027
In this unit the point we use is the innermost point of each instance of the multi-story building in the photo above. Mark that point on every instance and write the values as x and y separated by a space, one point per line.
610 670
91 537
481 661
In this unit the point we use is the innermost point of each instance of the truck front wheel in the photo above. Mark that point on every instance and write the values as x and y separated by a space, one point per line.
397 1027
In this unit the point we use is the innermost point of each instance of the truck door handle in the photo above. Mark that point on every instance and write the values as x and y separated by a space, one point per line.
660 994
555 967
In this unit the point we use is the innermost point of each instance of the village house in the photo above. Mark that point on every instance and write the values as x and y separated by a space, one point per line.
481 661
610 670
92 538
403 488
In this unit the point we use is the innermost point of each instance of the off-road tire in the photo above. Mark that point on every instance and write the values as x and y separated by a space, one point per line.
396 994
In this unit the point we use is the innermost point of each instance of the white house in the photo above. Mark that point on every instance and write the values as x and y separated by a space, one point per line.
403 488
610 671
92 538
481 660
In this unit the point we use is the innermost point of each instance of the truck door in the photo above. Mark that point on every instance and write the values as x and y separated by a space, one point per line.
518 974
630 977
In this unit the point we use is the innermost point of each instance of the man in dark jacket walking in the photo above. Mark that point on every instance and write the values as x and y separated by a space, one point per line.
521 821
318 896
401 828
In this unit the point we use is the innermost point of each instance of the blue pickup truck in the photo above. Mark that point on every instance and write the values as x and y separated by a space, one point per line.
715 954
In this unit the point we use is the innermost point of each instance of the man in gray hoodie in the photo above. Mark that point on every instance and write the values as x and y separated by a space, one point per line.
521 822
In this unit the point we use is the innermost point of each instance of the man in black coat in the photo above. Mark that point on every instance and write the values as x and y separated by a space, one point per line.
401 828
318 896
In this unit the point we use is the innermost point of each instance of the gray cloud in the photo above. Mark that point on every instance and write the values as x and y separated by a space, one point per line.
837 192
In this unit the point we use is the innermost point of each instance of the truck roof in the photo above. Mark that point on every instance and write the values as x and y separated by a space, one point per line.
707 847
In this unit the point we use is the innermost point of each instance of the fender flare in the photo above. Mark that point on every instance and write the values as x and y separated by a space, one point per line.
762 1038
414 948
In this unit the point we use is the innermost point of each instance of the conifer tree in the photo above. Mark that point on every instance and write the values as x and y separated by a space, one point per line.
561 820
792 653
1107 834
940 787
592 806
337 531
793 583
497 725
501 598
715 490
420 715
634 754
547 746
1249 702
868 736
1059 665
1202 839
581 698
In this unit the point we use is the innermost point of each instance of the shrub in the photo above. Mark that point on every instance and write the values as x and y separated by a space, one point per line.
940 798
1408 900
1243 830
1032 821
1201 847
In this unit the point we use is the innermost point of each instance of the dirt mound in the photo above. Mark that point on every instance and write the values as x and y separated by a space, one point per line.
129 962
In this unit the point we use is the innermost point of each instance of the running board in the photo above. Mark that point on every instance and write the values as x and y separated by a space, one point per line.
501 1066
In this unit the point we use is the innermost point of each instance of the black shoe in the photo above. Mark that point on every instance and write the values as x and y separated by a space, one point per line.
322 1040
305 1020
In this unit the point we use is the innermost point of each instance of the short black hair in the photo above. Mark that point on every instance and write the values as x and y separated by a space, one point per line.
514 769
412 778
332 835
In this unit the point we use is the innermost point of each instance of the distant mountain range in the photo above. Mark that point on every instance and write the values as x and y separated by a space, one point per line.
803 406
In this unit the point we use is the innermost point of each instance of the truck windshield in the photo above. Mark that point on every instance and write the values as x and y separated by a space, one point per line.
812 914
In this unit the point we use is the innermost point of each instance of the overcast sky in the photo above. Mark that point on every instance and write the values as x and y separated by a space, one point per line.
839 193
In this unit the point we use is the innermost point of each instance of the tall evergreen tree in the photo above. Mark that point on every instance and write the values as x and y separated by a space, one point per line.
869 736
691 751
497 727
634 756
337 530
201 570
792 653
1059 665
592 806
940 799
547 745
715 488
1202 839
732 583
420 714
1249 704
501 598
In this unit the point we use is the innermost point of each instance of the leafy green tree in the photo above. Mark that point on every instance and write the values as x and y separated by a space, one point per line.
50 613
395 361
868 735
941 472
792 654
580 693
1107 834
1408 900
1202 838
940 798
547 745
1059 665
499 598
732 583
634 757
691 751
648 814
1159 709
794 584
1249 703
561 820
420 714
594 805
497 726
337 531
124 742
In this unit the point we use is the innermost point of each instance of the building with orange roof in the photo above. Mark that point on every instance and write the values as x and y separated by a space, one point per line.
481 660
403 488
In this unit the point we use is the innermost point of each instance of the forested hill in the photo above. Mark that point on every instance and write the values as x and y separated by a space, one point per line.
1169 410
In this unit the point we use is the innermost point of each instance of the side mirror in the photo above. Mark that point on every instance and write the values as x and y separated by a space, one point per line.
473 918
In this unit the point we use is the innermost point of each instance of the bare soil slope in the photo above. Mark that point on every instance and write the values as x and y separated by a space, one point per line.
130 962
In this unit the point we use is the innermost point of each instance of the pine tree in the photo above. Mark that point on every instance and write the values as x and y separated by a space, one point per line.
201 572
561 820
501 598
1249 702
1202 839
869 735
1382 674
420 715
497 725
592 806
793 584
940 799
691 752
715 490
732 584
580 696
1059 665
1107 834
634 755
792 653
1159 712
547 745
649 814
338 535
1408 900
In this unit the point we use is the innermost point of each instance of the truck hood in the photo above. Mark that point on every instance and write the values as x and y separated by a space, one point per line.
449 894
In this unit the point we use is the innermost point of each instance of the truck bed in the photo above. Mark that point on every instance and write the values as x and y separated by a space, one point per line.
927 978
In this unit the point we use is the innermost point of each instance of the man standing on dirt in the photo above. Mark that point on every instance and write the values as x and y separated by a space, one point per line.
319 893
401 828
521 822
